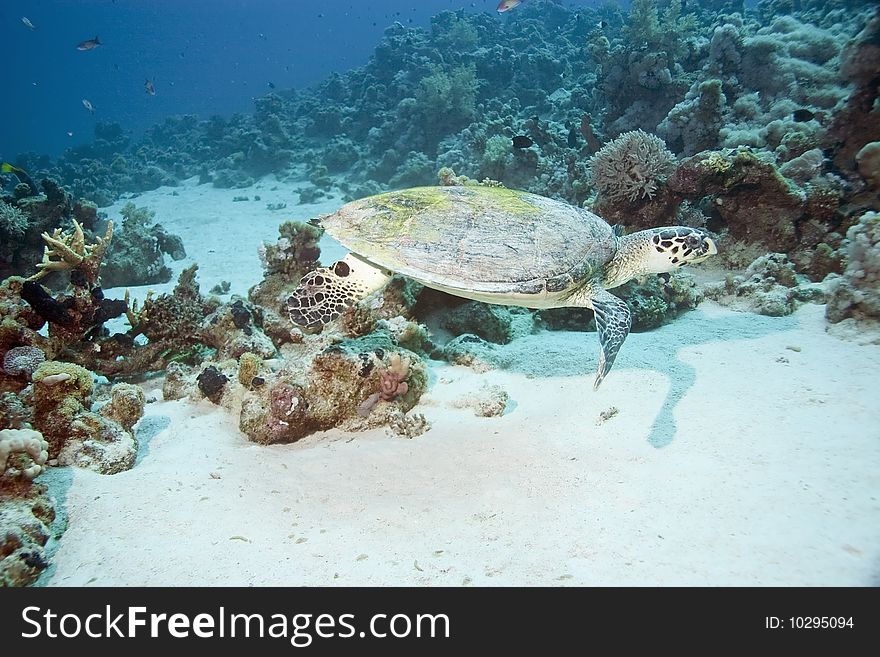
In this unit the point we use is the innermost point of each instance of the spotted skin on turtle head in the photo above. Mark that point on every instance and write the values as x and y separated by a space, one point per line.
323 294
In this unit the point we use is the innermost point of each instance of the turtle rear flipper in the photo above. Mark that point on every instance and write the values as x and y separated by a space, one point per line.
324 293
613 320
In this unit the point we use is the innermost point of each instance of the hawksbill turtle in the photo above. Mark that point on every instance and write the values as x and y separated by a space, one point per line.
495 245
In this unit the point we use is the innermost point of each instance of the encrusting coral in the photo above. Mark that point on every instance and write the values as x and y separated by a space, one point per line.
26 511
76 435
23 453
769 286
856 294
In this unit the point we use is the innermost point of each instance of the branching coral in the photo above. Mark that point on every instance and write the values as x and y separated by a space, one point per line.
631 167
69 251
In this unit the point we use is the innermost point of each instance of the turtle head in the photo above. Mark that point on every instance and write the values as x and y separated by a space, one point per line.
672 247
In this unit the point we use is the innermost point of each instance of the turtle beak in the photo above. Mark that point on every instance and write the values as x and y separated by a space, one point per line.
709 249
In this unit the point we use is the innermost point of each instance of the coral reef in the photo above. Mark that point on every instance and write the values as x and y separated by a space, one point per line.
126 405
22 361
856 294
24 219
76 435
23 453
26 517
407 425
750 197
26 512
136 255
490 401
627 174
499 324
295 253
769 286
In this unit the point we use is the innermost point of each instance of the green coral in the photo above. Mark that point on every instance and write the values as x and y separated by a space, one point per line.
454 32
450 94
668 32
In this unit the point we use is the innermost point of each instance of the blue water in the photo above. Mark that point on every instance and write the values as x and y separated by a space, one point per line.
203 57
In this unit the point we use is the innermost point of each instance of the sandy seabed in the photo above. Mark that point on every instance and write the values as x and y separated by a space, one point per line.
745 450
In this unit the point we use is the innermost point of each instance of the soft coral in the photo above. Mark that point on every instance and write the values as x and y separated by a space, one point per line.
391 383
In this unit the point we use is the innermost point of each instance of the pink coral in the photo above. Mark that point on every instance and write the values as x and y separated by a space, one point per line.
391 384
22 360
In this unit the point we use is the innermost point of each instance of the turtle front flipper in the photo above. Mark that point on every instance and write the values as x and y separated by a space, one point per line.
613 320
324 293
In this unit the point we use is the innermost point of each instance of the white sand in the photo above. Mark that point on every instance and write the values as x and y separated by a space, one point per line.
733 460
223 235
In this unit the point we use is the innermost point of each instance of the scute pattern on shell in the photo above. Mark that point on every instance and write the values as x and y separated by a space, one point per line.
485 239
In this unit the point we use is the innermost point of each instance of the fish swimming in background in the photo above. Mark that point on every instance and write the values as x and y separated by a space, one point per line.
21 174
801 115
573 141
28 24
88 106
271 85
89 44
507 5
149 88
521 141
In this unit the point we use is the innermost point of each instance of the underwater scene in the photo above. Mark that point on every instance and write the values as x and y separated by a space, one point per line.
448 293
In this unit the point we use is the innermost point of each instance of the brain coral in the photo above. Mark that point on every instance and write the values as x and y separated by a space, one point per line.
631 166
22 360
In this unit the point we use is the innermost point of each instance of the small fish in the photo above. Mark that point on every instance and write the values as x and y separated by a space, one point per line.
21 174
28 24
89 44
69 133
572 138
88 106
271 85
521 141
602 25
507 5
801 115
149 88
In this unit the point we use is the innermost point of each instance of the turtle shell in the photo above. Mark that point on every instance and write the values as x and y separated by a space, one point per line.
478 238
